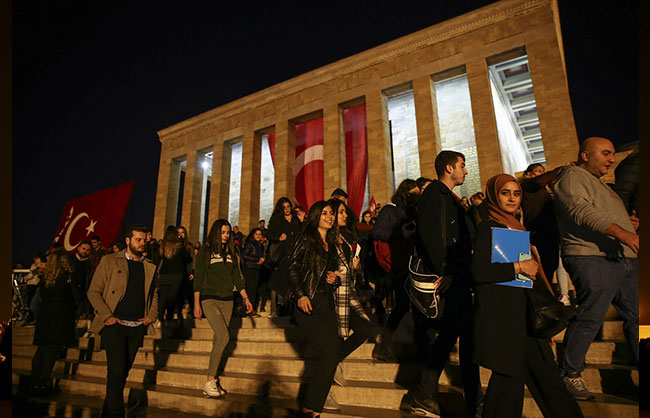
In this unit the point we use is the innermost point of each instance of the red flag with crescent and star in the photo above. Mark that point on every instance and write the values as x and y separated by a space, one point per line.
100 213
309 162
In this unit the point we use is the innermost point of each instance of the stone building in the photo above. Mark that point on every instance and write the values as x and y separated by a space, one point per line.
490 83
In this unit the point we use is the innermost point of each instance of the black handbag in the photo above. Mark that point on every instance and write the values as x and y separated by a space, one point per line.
274 253
279 280
546 316
420 284
422 290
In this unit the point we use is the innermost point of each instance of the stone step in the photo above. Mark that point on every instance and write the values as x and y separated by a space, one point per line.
611 330
71 405
600 378
190 401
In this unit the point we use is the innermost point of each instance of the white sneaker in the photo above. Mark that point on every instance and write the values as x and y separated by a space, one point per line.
330 403
339 378
212 389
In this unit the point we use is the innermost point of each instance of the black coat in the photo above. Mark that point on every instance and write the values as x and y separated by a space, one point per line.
55 323
307 268
500 322
454 257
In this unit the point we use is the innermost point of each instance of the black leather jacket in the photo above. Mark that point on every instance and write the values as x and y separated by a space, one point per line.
306 269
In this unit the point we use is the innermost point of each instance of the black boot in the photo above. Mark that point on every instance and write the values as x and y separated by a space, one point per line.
385 349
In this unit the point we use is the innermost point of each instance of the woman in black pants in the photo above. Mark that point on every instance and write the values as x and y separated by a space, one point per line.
502 342
172 269
320 281
55 322
253 255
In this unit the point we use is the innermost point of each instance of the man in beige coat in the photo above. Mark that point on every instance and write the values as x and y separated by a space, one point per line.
124 297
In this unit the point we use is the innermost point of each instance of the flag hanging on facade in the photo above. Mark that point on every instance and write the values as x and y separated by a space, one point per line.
356 152
100 213
373 205
309 162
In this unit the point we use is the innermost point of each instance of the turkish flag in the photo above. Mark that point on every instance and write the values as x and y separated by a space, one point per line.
100 213
372 205
356 151
309 162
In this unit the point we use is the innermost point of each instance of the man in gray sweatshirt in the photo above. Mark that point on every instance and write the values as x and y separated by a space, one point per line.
599 250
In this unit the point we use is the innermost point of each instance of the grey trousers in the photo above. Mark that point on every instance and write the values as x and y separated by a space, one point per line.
218 313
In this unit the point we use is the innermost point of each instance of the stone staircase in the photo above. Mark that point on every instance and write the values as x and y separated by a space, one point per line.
265 364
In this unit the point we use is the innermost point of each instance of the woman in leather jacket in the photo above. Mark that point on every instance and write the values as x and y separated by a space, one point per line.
318 280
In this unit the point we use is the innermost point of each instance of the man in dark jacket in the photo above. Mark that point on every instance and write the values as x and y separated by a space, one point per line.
445 245
83 269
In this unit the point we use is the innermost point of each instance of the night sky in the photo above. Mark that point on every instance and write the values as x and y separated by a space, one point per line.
94 81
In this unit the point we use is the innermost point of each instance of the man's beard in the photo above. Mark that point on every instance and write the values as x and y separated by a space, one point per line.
134 251
82 257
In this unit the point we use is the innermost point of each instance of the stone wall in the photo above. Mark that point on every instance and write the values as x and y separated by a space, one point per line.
466 42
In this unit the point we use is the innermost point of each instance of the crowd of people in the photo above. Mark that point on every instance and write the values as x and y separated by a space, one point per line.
335 274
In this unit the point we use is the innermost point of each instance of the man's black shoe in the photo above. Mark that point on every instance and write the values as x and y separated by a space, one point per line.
424 405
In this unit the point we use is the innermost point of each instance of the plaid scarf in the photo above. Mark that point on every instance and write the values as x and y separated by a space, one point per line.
345 295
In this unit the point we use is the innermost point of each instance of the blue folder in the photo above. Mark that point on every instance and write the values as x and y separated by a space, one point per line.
511 246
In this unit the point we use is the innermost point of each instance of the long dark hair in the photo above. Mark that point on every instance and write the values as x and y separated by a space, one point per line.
171 242
213 243
401 196
278 211
348 230
310 228
186 239
251 235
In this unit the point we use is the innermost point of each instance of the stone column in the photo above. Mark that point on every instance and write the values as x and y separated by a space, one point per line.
334 169
220 185
249 197
379 153
166 194
485 125
551 91
426 119
193 194
285 158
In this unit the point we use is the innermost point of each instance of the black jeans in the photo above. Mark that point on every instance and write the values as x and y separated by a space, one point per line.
121 344
252 277
456 323
401 305
505 394
43 363
321 331
169 287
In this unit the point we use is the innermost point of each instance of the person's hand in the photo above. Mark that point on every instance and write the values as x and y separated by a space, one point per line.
331 277
261 261
635 220
529 268
110 321
630 239
305 304
443 283
145 321
356 262
249 305
198 312
283 237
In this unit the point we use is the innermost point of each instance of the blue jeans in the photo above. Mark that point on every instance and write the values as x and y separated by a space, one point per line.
600 282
